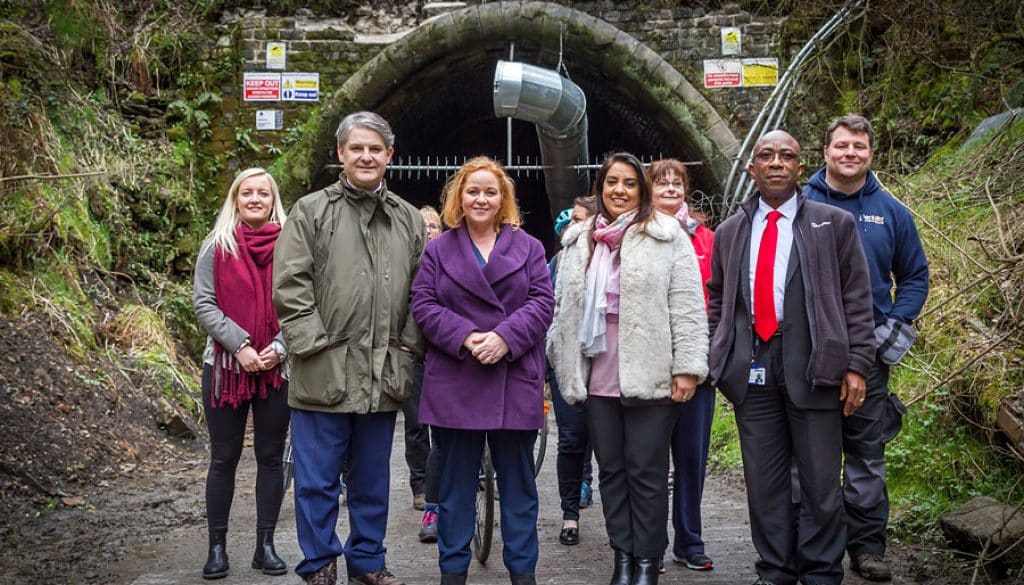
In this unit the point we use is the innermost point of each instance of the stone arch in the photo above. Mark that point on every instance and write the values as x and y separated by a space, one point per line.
434 86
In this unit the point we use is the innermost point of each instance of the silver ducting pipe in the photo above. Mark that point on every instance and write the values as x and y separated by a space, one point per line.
558 108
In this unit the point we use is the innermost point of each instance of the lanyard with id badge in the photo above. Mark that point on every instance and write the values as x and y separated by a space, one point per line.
757 371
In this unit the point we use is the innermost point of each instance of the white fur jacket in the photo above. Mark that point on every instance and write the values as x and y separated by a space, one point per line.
663 327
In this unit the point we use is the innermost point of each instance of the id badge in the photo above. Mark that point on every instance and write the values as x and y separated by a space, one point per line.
757 374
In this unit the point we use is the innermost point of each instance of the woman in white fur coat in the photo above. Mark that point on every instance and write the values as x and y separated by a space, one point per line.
629 338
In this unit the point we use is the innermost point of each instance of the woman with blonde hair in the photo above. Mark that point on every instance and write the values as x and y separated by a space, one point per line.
482 298
243 365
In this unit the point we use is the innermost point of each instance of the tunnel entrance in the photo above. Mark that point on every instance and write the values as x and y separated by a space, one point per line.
435 88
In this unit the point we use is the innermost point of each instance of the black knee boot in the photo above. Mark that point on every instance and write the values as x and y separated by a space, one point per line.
625 566
646 572
265 558
217 558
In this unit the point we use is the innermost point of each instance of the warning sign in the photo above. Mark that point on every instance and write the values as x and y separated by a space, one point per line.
262 87
760 72
300 87
731 36
723 73
275 55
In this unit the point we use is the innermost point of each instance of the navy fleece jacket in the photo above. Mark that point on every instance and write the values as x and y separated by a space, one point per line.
891 245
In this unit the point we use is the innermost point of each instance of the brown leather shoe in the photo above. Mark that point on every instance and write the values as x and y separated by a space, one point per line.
326 575
378 577
871 566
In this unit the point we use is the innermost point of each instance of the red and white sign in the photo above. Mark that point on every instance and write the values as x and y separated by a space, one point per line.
723 73
262 87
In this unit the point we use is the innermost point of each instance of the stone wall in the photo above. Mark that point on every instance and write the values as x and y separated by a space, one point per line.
337 47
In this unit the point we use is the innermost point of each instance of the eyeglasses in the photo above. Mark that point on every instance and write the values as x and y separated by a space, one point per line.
767 156
677 185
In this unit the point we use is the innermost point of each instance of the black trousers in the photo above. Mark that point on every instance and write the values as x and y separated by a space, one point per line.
417 436
226 426
632 444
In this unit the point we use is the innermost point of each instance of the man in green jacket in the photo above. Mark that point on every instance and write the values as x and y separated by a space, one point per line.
343 267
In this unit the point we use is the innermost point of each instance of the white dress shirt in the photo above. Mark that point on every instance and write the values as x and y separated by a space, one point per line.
784 244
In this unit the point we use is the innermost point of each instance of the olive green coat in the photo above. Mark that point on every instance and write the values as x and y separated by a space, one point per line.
343 266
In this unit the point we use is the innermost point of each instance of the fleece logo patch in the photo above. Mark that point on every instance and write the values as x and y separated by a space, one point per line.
875 219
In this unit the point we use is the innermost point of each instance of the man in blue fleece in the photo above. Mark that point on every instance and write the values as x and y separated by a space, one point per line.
895 258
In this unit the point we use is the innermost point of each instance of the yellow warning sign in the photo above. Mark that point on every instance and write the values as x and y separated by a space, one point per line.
760 72
275 55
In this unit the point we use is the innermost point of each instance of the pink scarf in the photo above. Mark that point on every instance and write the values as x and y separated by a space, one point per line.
244 293
602 282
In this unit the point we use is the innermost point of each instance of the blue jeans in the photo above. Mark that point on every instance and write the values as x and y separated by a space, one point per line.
320 443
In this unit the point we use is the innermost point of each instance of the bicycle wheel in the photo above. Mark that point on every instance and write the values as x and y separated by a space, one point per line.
288 465
540 446
483 534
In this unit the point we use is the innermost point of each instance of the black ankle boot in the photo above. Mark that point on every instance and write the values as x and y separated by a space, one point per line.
524 579
646 572
453 579
265 558
625 565
217 558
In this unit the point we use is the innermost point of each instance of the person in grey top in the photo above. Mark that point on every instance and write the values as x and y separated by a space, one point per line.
244 363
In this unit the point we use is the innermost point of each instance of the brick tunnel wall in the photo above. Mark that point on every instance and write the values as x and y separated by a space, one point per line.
336 48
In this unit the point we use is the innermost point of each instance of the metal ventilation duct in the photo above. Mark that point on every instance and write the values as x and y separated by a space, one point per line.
558 108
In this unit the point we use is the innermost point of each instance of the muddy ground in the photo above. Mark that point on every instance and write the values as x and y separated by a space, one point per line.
94 490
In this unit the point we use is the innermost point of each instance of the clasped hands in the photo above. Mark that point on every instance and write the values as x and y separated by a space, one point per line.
486 347
253 361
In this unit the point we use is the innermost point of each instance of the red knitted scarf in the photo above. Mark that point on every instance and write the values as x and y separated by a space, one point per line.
244 293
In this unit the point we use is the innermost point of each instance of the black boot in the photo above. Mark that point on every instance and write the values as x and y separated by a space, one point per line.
646 571
625 565
453 579
524 579
217 559
265 558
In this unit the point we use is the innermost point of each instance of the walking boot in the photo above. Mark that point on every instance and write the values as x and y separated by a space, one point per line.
265 558
524 579
325 575
625 566
646 572
216 565
453 579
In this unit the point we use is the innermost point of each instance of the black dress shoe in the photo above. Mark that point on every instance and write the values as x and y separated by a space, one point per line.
569 536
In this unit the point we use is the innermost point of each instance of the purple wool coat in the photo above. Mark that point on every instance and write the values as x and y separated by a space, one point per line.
453 296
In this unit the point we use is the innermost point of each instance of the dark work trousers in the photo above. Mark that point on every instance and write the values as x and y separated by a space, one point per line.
773 433
321 441
691 439
512 456
226 426
417 436
865 497
433 475
573 450
632 444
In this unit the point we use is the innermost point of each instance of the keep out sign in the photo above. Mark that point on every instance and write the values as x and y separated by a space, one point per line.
262 87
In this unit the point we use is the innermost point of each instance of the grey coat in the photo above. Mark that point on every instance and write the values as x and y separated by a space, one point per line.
831 333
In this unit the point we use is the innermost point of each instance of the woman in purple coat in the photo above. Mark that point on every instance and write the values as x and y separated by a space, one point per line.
483 301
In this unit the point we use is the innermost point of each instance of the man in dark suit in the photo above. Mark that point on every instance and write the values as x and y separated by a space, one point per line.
791 339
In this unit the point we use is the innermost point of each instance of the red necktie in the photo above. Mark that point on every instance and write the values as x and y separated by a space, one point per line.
765 322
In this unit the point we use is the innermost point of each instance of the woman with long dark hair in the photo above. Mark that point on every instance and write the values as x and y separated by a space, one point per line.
244 363
630 340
